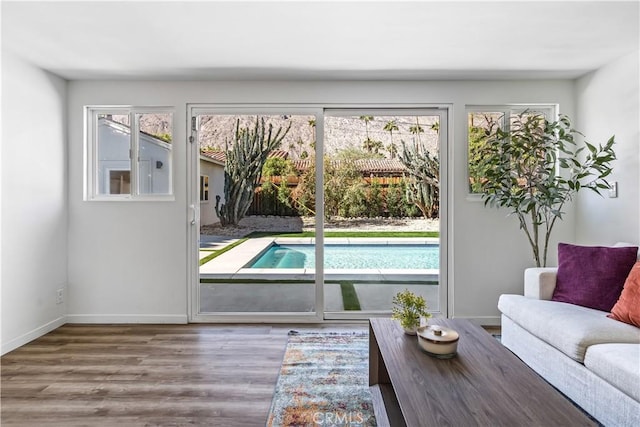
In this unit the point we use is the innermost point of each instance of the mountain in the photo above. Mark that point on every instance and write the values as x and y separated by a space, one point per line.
341 132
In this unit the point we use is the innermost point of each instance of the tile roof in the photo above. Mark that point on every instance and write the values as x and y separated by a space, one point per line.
218 156
365 166
380 165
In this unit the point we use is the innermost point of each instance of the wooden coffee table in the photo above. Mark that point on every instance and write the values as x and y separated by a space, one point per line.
484 385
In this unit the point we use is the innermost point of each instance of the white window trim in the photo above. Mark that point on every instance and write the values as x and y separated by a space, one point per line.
91 181
549 110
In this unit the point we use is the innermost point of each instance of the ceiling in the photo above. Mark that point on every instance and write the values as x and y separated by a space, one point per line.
318 40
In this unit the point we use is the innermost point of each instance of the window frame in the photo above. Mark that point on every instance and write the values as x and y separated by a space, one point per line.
204 188
91 166
550 112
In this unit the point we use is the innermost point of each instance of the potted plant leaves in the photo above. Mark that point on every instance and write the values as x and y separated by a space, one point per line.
408 308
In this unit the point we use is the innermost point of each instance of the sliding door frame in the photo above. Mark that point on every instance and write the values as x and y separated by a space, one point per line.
193 173
319 110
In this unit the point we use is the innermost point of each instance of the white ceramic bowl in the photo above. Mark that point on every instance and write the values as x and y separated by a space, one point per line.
438 341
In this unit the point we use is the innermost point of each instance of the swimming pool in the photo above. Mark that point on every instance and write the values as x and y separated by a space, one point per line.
351 256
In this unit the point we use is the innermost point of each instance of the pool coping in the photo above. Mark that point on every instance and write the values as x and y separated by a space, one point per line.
230 265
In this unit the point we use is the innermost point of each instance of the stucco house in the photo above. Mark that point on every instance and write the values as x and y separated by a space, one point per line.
211 184
114 162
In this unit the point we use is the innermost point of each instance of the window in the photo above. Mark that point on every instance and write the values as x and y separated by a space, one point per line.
118 135
119 182
483 122
204 188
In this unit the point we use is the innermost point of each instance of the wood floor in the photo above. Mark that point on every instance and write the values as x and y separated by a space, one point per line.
145 375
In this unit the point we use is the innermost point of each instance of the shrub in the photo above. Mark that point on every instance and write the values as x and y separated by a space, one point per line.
375 202
354 202
395 200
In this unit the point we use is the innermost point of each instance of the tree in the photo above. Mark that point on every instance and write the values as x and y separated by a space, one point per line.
243 169
354 201
303 197
277 166
368 143
366 120
350 153
535 168
423 188
391 126
376 146
392 149
340 178
395 203
375 202
478 135
416 129
274 195
312 125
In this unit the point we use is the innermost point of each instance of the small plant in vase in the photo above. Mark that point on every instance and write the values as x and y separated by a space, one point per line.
408 308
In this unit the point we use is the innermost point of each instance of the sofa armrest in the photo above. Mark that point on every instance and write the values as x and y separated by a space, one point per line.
539 282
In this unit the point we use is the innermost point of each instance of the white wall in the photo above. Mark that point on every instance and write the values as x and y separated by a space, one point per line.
216 187
34 201
607 104
146 278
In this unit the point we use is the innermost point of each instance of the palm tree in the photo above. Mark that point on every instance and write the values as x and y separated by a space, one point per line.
376 146
416 129
368 144
366 120
392 149
312 124
390 127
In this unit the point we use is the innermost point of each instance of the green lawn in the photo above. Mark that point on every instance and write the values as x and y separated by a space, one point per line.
349 296
223 250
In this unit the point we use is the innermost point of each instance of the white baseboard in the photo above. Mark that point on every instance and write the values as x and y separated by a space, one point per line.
32 335
127 318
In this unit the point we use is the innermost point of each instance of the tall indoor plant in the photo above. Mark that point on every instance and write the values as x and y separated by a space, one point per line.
534 168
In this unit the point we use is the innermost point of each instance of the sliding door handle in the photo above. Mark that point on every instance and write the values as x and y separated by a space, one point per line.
194 215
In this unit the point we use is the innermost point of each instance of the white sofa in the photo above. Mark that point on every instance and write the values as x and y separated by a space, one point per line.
592 359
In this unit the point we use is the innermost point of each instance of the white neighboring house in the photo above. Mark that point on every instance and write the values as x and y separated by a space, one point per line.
114 164
211 184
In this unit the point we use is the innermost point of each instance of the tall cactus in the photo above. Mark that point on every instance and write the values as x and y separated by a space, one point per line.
243 169
423 188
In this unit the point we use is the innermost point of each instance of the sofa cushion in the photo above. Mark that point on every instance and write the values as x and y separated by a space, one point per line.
617 364
627 309
567 327
592 276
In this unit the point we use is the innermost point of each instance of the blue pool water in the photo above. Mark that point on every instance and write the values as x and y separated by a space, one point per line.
351 257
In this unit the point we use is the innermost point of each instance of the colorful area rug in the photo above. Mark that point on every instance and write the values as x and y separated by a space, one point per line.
324 381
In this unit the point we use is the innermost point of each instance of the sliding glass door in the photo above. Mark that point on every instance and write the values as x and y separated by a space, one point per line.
383 207
305 214
251 164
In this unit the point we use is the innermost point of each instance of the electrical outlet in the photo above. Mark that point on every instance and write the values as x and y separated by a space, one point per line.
59 296
613 190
